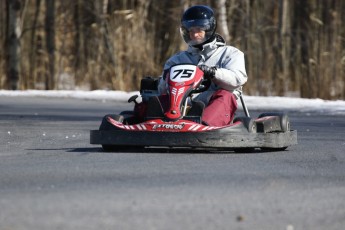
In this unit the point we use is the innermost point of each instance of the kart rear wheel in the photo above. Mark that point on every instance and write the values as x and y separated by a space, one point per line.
105 125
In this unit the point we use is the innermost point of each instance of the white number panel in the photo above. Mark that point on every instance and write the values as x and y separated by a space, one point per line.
182 73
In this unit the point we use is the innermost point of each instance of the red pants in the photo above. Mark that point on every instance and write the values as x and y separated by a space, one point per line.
220 109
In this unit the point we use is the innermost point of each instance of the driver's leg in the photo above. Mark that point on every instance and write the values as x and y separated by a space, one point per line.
220 109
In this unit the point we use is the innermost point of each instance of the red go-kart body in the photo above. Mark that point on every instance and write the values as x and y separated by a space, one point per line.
180 124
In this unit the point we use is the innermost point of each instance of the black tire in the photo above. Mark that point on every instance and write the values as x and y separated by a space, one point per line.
119 148
248 122
129 117
108 148
105 125
244 150
265 149
283 118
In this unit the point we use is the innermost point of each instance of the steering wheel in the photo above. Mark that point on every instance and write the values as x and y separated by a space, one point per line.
204 85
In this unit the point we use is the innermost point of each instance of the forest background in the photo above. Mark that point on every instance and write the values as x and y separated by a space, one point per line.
292 47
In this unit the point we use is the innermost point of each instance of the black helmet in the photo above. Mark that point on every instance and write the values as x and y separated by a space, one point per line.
198 16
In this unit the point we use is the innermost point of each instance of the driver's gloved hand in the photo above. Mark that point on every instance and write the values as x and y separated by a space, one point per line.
209 72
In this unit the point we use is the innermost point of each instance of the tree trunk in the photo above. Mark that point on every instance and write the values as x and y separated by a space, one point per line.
33 46
50 43
12 45
2 41
302 10
79 51
222 22
285 47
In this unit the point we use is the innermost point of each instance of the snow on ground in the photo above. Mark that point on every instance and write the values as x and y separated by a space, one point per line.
319 106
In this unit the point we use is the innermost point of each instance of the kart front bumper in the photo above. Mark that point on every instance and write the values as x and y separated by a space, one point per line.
210 139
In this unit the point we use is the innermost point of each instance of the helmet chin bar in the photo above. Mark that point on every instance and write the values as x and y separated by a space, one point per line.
194 42
185 35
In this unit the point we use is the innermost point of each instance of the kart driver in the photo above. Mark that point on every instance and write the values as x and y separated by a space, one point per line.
224 65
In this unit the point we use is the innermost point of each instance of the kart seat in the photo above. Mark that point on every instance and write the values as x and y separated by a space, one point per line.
154 108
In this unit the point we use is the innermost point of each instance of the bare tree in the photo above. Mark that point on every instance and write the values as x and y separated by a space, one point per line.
50 42
302 28
33 44
283 79
12 44
222 19
2 42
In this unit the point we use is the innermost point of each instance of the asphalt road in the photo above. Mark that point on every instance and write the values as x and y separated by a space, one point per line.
52 178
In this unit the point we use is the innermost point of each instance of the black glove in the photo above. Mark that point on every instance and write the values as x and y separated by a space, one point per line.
209 72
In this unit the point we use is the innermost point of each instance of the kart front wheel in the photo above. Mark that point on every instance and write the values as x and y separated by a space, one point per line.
248 122
283 119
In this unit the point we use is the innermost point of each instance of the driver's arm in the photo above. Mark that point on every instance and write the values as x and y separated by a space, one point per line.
232 74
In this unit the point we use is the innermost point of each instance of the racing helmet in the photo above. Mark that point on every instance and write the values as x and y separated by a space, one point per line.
198 16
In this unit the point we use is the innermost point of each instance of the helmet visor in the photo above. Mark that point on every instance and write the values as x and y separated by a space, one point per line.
203 24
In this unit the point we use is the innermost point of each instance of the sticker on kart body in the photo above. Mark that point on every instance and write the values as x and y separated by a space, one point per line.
168 126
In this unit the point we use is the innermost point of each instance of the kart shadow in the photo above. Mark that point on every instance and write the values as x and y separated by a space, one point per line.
157 150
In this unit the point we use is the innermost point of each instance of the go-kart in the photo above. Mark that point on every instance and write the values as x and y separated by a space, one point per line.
179 124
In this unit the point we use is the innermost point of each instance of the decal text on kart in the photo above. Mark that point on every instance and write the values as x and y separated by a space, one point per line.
168 126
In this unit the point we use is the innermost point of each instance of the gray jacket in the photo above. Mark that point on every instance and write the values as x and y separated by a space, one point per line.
230 74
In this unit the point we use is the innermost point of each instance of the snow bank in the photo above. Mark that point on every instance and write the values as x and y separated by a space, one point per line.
253 102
